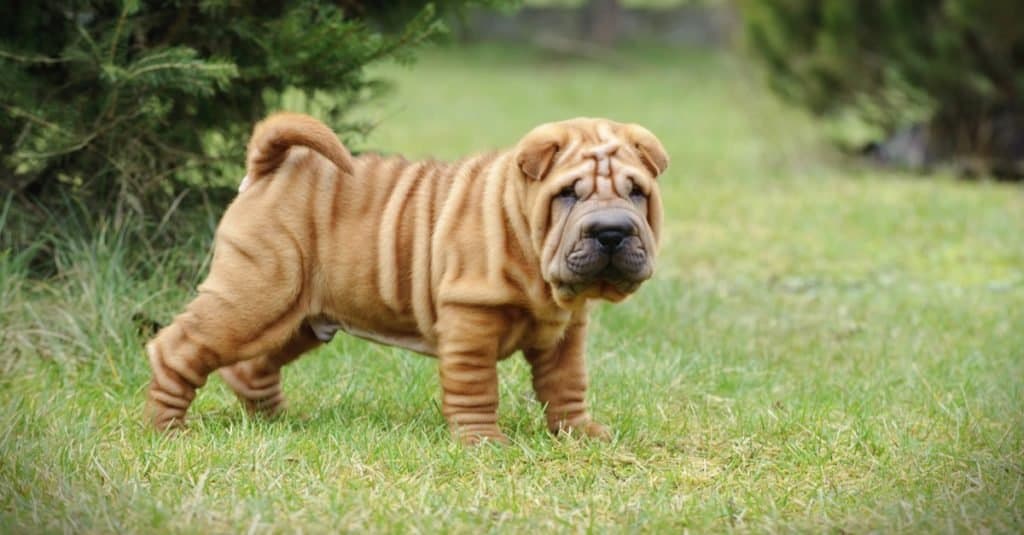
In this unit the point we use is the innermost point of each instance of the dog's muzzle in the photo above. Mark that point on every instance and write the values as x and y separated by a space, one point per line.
609 249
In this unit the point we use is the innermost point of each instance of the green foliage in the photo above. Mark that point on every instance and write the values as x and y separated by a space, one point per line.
123 104
957 65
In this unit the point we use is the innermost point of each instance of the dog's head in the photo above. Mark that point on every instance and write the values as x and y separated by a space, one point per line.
594 206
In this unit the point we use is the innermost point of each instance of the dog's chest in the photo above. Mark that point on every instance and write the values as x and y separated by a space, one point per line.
530 333
542 332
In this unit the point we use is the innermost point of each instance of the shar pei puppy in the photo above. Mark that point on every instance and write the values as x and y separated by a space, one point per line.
467 261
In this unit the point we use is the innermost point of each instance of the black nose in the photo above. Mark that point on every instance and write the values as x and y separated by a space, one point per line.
611 233
610 238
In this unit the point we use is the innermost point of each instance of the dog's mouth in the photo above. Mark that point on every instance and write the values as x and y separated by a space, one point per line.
613 290
595 269
592 259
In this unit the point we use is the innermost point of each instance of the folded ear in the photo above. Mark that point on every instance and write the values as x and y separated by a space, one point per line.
652 152
536 152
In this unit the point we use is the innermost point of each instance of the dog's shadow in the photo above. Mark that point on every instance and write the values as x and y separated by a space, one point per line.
398 414
398 397
354 405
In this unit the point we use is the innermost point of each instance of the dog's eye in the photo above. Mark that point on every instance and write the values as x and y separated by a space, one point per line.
636 191
568 192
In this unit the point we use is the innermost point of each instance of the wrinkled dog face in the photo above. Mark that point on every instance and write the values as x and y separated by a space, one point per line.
595 205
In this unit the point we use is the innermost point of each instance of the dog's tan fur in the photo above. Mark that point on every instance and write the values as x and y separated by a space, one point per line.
464 261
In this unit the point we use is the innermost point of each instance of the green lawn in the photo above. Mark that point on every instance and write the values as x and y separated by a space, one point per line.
825 347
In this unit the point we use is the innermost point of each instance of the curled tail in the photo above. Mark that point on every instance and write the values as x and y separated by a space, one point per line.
274 135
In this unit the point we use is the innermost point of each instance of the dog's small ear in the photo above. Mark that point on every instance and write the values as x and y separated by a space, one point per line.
536 153
651 151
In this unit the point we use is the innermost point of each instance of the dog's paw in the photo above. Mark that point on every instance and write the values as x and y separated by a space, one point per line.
162 416
598 431
588 428
260 393
473 435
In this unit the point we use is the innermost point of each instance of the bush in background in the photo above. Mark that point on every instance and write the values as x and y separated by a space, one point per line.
119 104
945 76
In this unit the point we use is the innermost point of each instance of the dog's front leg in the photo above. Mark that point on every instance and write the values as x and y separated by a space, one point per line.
560 380
468 352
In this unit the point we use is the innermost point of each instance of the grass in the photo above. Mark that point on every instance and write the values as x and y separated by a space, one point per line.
826 347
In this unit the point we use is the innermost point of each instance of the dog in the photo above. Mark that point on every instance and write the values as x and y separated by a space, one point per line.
466 261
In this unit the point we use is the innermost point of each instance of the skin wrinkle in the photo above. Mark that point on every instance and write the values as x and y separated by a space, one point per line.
422 299
310 211
465 261
495 230
257 382
161 372
437 267
384 168
241 250
456 216
518 274
300 273
387 261
448 267
367 165
406 231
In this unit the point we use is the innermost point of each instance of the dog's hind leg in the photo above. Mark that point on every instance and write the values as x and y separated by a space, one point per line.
257 382
250 306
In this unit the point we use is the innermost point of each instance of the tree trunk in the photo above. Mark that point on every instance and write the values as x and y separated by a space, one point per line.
600 21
